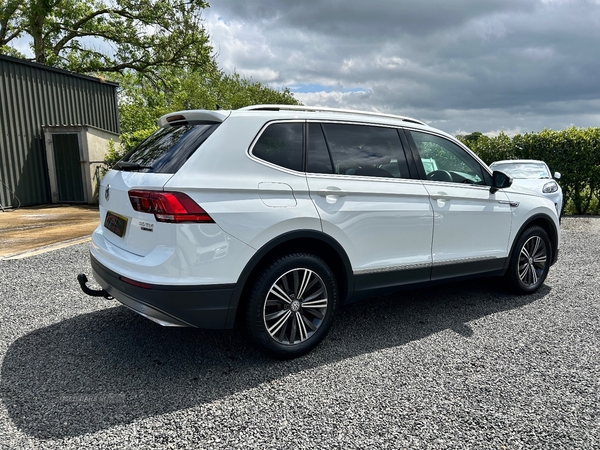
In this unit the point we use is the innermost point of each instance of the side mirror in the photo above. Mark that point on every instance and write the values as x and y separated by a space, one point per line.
557 175
500 181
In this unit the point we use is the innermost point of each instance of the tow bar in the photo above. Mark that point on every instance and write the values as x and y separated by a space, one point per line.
93 292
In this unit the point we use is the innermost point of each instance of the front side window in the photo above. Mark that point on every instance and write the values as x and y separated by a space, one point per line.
281 144
443 160
357 150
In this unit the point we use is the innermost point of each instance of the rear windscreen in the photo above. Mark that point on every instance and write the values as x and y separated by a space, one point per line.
167 149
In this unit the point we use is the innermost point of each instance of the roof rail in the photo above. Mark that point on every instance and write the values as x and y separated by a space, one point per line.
337 110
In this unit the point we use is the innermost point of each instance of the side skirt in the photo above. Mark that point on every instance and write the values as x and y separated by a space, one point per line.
384 283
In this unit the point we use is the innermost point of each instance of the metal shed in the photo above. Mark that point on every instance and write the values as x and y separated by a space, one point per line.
48 111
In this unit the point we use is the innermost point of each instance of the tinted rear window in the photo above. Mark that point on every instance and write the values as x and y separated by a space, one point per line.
281 144
366 151
166 150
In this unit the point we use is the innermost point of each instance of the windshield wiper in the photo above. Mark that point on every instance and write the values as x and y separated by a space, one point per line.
129 166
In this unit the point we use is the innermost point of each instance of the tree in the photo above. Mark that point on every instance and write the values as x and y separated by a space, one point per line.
470 139
141 101
233 91
157 50
109 36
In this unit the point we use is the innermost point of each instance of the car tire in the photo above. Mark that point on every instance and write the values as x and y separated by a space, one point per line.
530 261
291 305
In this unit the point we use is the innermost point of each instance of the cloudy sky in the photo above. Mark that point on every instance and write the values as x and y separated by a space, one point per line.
460 65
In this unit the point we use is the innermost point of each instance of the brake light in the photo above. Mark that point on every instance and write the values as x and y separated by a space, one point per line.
173 207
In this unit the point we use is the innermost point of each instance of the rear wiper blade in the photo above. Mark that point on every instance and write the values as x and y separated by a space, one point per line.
129 166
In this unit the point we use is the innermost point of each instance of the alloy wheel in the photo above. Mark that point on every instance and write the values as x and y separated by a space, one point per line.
295 306
532 260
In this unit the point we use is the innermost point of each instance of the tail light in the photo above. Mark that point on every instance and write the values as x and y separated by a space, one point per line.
173 207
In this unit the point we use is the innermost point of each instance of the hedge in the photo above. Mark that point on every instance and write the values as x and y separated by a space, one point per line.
574 152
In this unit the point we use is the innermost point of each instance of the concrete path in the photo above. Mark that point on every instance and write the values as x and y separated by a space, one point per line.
33 230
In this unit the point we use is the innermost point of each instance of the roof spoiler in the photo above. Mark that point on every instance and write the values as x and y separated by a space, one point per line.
192 117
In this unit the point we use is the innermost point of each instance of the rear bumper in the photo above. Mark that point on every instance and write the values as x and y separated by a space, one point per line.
206 306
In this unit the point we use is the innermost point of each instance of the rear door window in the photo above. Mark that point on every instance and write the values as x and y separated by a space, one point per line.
166 150
318 159
363 150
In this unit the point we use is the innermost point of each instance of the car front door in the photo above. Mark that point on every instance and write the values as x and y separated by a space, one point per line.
471 224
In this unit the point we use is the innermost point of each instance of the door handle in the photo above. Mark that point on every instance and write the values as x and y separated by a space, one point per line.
445 198
331 191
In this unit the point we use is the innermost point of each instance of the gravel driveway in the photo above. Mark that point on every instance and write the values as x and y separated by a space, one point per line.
461 365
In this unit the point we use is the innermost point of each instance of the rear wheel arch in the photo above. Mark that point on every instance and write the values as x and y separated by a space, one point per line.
301 241
291 305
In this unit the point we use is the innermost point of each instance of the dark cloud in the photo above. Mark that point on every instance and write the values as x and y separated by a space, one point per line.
510 64
359 19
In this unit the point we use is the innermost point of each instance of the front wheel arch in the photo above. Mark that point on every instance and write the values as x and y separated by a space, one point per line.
545 222
530 261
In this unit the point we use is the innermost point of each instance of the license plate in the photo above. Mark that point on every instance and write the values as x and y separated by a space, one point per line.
115 223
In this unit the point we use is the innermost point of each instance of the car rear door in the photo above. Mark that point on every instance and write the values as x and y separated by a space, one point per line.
360 183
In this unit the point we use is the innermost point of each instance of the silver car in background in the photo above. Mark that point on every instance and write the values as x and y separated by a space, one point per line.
535 175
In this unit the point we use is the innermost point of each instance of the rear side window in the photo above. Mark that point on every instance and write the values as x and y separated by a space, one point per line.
281 144
166 150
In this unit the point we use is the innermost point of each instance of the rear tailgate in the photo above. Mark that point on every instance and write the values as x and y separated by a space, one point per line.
147 168
141 233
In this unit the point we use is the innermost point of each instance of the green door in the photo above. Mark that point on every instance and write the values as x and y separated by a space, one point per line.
68 168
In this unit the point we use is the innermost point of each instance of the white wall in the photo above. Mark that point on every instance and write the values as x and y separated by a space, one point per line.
93 146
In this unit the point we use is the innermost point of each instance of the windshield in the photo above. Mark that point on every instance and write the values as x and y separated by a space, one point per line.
523 170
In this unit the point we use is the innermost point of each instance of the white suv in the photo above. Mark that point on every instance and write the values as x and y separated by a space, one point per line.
272 216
